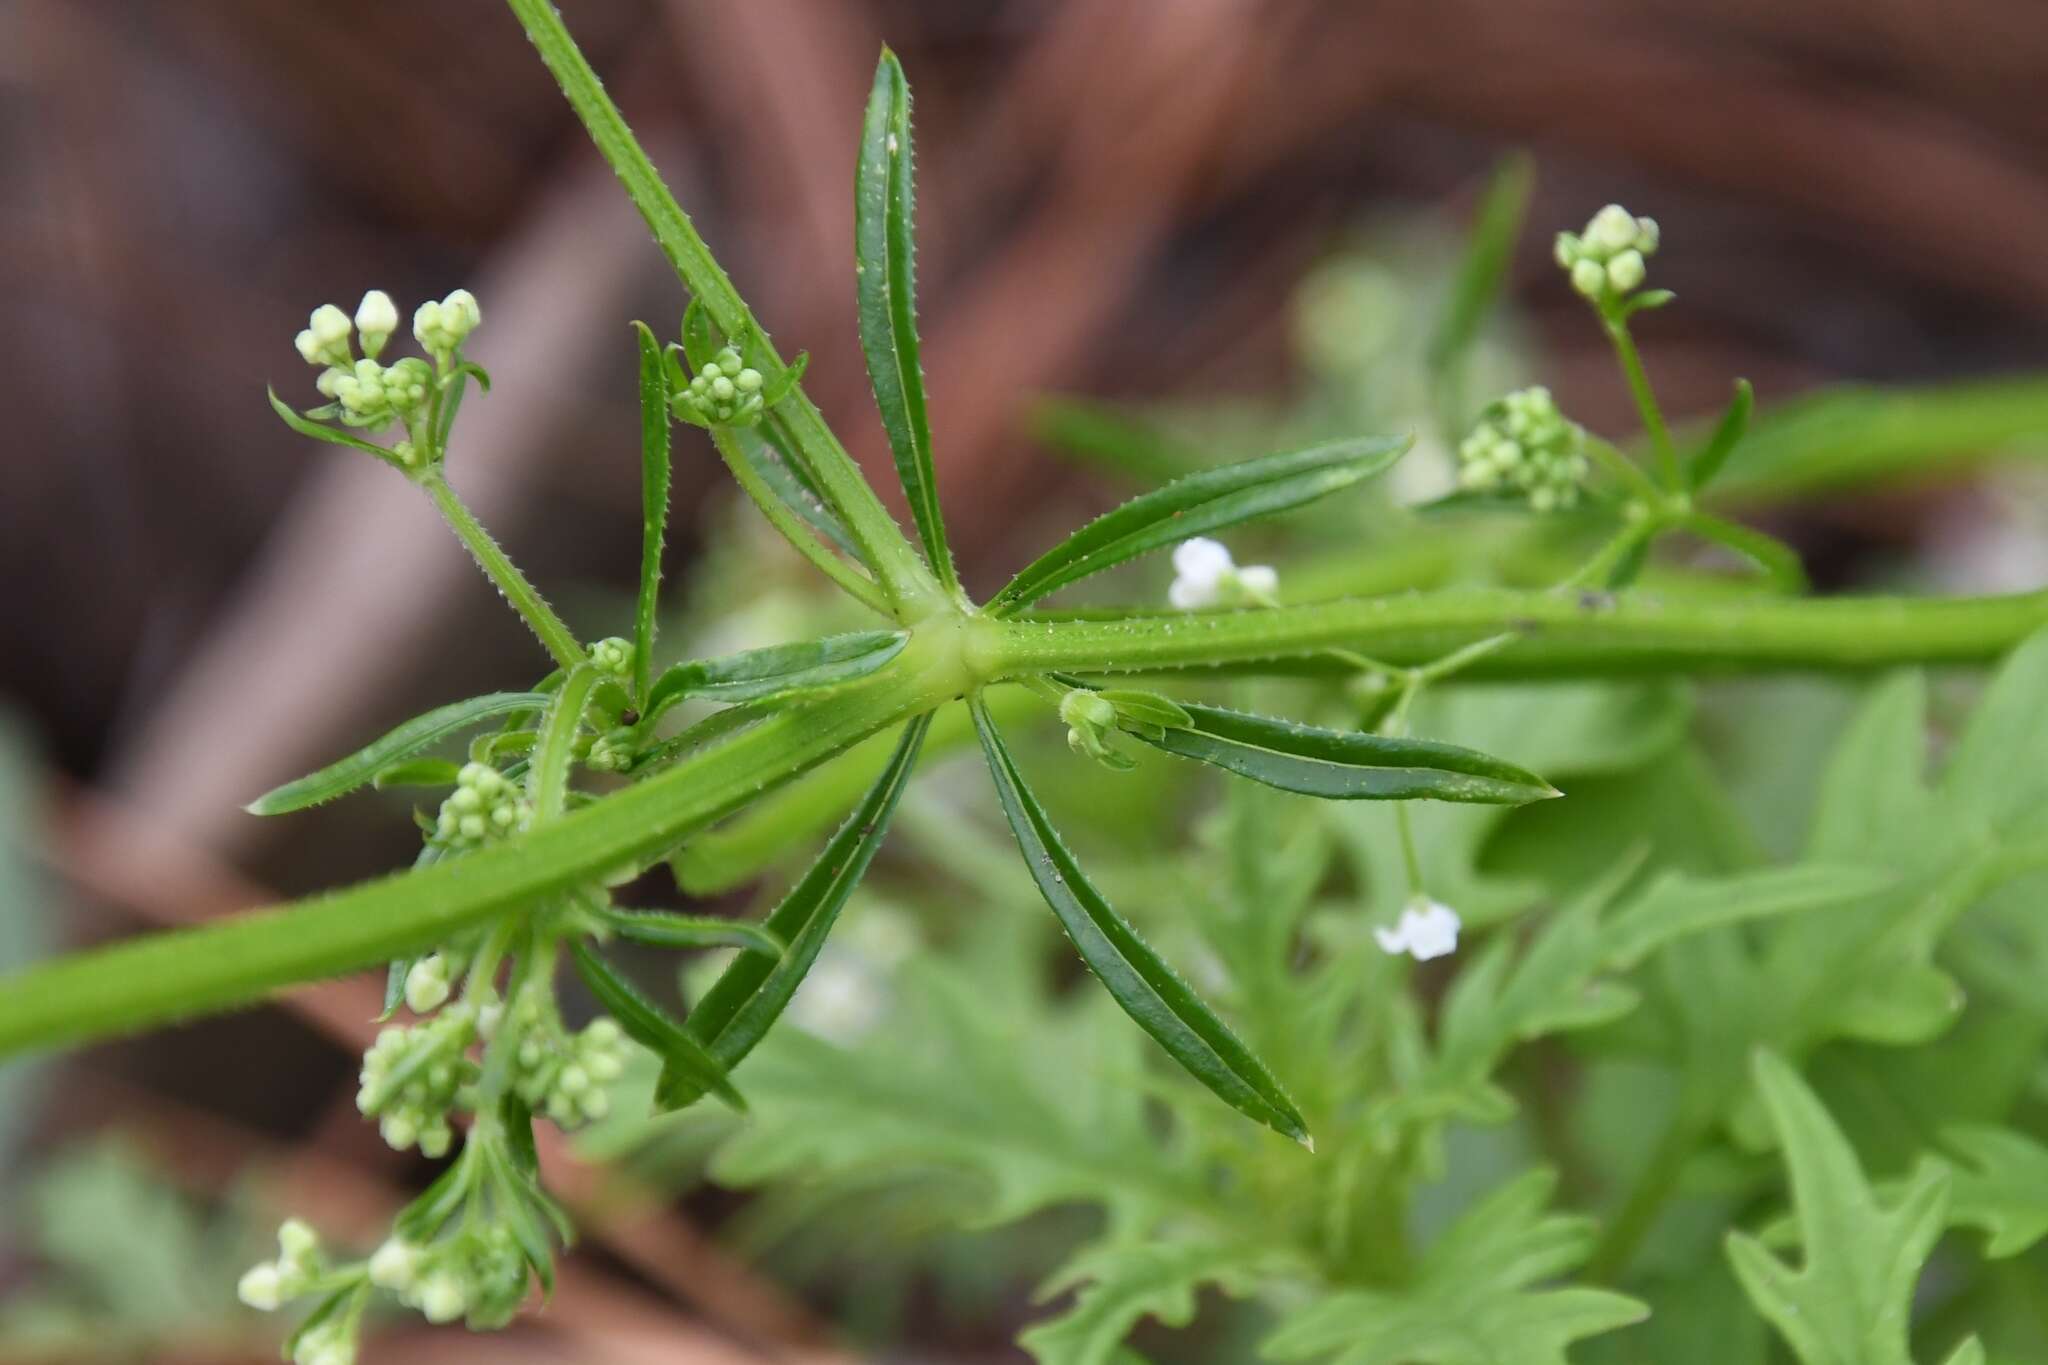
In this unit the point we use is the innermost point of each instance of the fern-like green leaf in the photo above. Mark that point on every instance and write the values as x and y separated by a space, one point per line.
1471 1301
1850 1302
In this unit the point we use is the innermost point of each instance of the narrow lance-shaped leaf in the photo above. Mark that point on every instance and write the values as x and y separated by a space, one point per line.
320 431
885 259
361 767
683 1058
1197 505
1727 435
547 782
1137 978
1486 259
654 481
1346 765
663 929
750 996
756 673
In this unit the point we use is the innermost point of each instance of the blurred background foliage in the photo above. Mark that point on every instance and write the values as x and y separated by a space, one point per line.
1155 236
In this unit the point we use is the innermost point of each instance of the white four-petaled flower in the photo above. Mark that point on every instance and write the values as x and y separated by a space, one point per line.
1205 575
1425 930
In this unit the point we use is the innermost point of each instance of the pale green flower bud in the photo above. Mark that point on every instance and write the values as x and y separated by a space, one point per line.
426 984
443 1297
1524 445
395 1265
1589 278
261 1287
1613 229
1626 271
376 319
330 329
298 1241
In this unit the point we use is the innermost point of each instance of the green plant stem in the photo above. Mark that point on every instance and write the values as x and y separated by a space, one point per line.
1653 1187
1559 634
1646 399
237 961
560 641
881 542
856 584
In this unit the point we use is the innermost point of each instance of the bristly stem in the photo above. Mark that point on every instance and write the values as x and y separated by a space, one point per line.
904 577
560 641
1646 399
1558 634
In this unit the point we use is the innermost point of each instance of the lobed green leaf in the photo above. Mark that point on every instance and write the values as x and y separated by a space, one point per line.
886 262
363 766
1346 765
1136 977
1196 505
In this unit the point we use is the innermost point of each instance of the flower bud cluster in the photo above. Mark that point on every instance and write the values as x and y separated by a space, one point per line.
485 805
441 327
479 1273
561 1074
1523 444
414 1077
1091 719
613 751
267 1286
1608 260
726 392
365 393
612 655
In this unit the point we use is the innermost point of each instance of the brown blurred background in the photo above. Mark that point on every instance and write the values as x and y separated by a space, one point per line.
1117 199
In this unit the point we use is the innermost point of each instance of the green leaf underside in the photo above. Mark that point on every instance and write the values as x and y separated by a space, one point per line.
1136 977
785 478
885 252
757 986
362 767
1196 505
663 929
654 483
1346 765
757 673
1727 435
682 1056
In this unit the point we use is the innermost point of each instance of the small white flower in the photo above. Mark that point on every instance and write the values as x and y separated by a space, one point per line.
1425 930
1205 575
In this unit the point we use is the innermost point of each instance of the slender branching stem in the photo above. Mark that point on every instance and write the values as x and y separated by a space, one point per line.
1646 398
560 641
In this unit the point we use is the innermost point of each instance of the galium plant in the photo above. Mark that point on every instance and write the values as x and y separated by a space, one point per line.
519 860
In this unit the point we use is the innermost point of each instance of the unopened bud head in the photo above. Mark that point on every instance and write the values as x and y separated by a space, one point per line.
376 319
